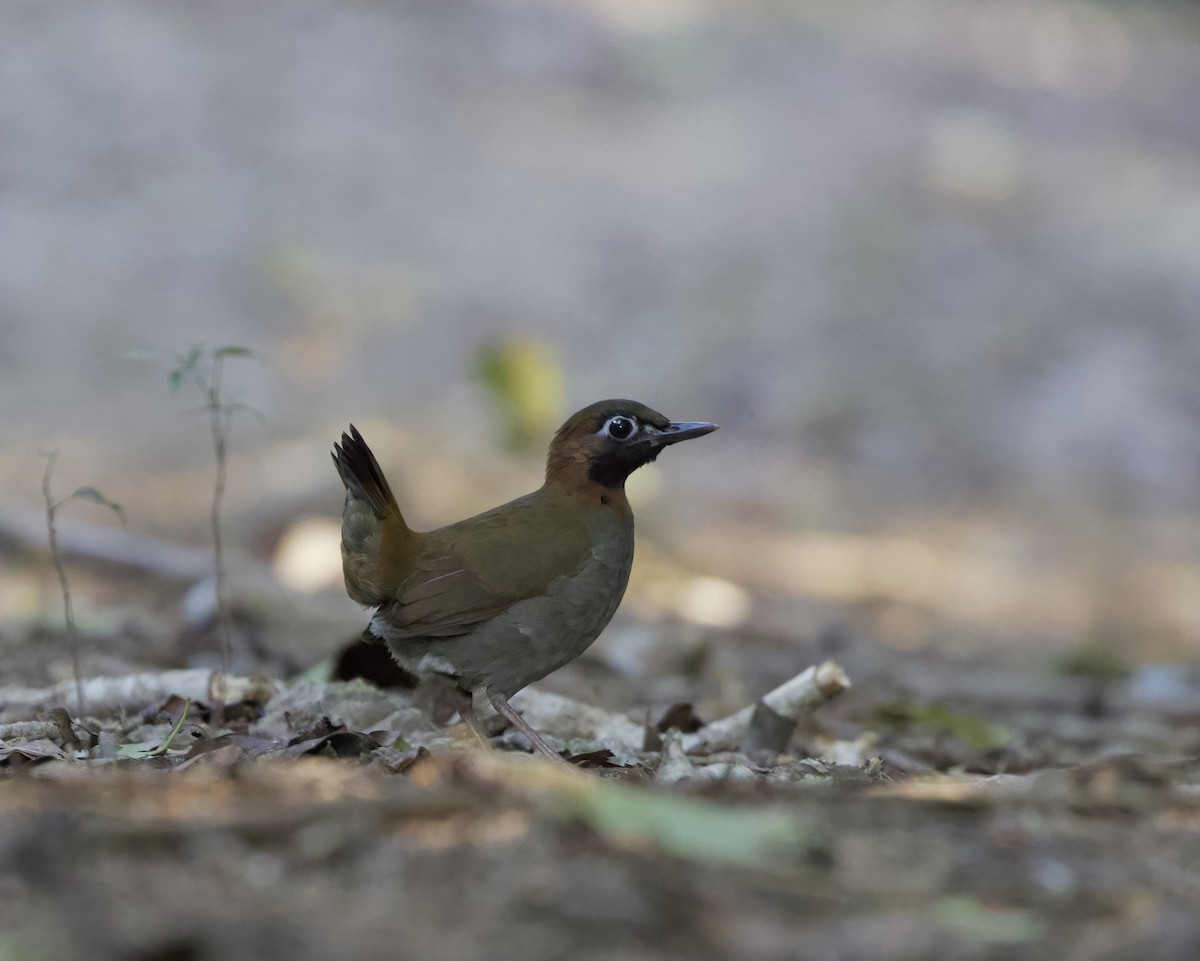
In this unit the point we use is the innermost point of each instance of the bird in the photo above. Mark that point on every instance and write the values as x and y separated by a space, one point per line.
487 605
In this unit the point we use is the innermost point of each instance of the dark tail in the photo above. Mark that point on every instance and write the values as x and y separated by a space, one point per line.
361 474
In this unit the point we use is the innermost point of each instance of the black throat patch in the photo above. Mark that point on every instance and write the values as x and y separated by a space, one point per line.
612 466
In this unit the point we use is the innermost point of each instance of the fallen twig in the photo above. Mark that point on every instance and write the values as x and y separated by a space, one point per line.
675 764
803 694
132 692
27 730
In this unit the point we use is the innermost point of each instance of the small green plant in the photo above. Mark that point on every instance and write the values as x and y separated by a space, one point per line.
979 735
1097 658
142 751
52 508
524 382
203 368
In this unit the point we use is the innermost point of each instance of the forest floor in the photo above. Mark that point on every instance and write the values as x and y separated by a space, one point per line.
922 262
946 805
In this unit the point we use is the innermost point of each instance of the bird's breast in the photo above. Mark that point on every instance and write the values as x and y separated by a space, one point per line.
539 634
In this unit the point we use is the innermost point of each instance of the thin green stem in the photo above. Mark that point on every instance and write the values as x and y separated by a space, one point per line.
60 569
166 745
217 419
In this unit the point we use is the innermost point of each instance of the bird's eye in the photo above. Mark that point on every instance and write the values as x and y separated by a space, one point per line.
620 428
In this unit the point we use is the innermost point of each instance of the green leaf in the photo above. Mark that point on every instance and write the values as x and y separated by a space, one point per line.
234 350
525 382
91 494
320 673
236 407
979 735
977 921
147 749
1095 659
691 827
15 947
187 368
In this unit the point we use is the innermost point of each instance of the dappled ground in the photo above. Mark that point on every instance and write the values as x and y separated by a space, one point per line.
944 806
959 799
483 858
932 267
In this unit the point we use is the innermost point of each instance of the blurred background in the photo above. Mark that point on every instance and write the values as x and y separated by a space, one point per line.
933 266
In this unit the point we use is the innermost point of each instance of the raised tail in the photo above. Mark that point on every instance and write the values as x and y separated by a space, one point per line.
374 534
360 472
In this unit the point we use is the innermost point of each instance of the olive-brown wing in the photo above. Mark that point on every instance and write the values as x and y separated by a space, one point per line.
473 571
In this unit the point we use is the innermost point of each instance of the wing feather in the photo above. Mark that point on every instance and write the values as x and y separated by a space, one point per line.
475 570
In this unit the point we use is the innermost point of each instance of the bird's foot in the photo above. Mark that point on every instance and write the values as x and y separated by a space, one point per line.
466 710
505 710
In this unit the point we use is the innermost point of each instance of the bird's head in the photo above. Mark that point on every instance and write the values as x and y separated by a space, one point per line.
604 443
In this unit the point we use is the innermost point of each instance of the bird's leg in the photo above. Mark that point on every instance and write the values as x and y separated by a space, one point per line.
505 710
466 710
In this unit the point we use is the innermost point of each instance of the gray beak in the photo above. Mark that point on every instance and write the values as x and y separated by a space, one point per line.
673 433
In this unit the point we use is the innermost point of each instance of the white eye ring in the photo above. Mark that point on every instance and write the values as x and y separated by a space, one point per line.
620 427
